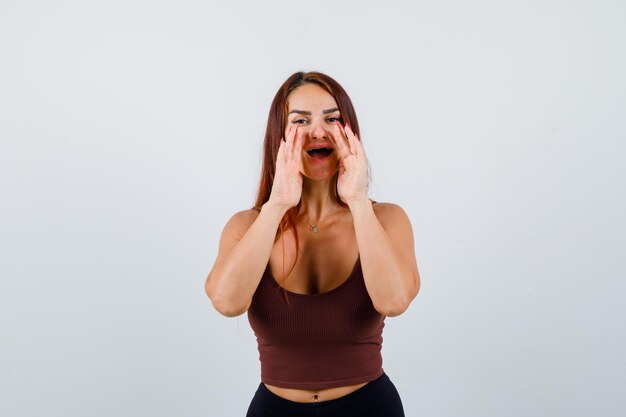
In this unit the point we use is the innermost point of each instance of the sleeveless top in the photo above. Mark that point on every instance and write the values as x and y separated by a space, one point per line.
317 341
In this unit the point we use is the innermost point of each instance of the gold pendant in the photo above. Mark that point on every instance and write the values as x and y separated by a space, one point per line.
314 228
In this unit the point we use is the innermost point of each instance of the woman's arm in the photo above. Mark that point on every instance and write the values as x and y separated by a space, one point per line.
384 236
244 250
247 239
387 255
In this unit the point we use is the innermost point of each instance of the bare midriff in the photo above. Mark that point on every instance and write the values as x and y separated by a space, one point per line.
311 396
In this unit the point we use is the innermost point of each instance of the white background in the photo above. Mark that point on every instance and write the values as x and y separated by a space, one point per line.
130 131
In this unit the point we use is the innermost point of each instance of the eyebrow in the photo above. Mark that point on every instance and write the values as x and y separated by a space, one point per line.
308 113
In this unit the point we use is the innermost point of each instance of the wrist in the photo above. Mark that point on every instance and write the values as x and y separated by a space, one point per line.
273 209
360 205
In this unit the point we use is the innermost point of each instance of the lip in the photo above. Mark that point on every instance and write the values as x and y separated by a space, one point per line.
319 160
320 145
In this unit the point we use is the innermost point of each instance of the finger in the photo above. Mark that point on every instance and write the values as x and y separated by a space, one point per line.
290 142
356 147
359 145
280 155
287 142
340 141
351 139
286 134
335 143
299 143
298 154
342 133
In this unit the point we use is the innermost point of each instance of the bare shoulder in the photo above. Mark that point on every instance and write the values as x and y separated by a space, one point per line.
390 214
241 221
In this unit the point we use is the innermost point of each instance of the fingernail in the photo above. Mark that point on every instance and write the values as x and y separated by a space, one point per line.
348 124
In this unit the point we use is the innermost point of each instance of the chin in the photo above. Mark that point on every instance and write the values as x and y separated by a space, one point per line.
320 175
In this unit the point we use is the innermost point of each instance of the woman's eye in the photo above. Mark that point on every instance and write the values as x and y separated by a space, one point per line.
299 121
334 119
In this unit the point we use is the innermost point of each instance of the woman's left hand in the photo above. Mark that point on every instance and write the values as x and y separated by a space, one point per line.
352 180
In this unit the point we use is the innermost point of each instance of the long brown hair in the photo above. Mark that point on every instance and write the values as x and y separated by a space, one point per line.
276 124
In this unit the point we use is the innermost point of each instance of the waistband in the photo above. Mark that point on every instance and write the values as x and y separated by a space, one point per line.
362 398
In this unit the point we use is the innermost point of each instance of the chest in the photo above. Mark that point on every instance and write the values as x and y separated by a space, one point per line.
324 261
342 315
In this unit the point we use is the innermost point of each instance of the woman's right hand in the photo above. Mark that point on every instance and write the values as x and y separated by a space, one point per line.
287 186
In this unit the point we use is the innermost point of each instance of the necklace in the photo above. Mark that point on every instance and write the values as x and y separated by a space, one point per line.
313 227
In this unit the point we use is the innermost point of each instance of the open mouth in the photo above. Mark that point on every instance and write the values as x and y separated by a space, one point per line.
319 153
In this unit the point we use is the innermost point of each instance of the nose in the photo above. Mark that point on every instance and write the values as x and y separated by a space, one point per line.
317 130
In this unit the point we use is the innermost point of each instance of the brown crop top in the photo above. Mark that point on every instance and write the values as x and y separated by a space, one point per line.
319 340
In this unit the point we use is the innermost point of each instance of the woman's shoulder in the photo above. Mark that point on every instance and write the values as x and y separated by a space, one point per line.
248 214
242 220
384 206
387 212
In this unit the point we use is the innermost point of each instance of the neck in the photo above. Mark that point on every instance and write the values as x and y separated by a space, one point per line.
316 198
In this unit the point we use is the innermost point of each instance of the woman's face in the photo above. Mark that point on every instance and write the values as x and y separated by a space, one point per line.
315 111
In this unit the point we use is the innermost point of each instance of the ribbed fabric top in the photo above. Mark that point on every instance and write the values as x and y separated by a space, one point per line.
319 340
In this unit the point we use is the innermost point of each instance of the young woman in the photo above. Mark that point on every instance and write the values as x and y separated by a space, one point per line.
345 262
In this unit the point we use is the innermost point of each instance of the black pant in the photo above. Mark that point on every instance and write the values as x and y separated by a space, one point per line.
378 398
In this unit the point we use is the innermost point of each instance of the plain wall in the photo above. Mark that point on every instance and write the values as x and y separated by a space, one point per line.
130 132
